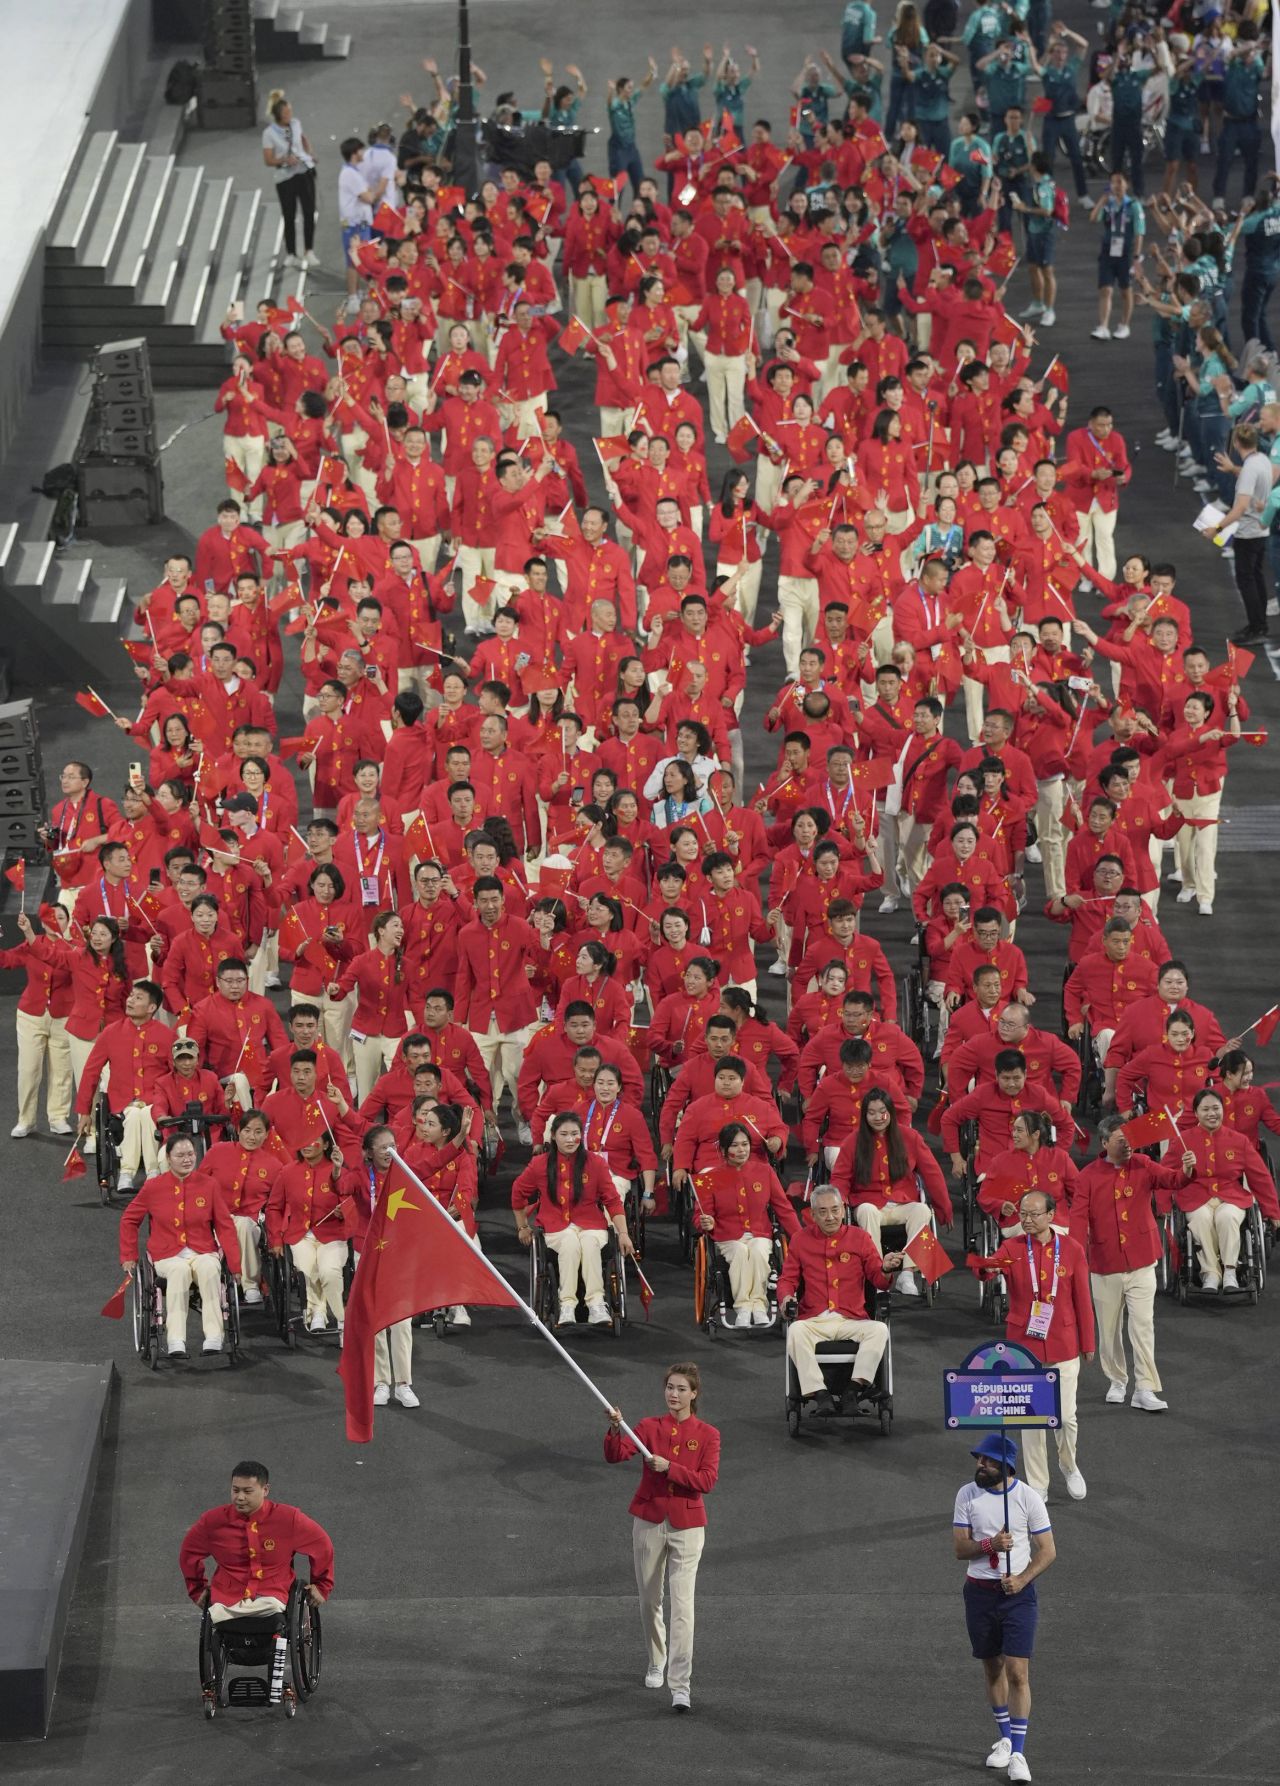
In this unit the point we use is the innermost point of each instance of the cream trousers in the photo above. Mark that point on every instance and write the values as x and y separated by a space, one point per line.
665 1556
803 1338
748 1263
204 1270
1035 1453
1131 1294
578 1250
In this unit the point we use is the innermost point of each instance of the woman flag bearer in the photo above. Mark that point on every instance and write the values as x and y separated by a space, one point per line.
1001 1530
669 1521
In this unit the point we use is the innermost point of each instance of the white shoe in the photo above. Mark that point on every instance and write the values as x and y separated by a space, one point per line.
1186 896
760 1317
680 1700
1229 1279
1167 439
654 1677
1019 1768
1122 332
1047 319
889 903
1205 908
1034 308
524 1134
318 1322
1077 1490
1000 1753
21 1130
1086 201
272 982
1175 876
311 258
779 967
568 1315
64 1128
291 260
1032 853
598 1314
406 1397
91 1143
1148 1401
176 1352
1202 486
381 1394
1101 333
1117 1393
251 1296
719 439
905 1283
1273 608
212 1346
459 1316
1210 1282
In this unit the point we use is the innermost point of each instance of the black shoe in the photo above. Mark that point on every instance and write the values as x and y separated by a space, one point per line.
1250 635
818 1405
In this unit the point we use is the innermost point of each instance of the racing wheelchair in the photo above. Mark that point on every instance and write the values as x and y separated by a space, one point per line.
713 1307
1180 1272
147 1304
836 1359
544 1282
272 1641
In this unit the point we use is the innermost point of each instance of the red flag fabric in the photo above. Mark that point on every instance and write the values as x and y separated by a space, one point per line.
740 437
638 1043
211 839
140 650
91 704
1199 824
553 883
876 773
1267 1026
113 1307
1005 1186
926 1253
574 333
290 747
644 1290
17 875
1041 105
1058 376
448 198
1144 1131
1257 739
74 1166
612 447
414 1258
729 140
388 222
234 477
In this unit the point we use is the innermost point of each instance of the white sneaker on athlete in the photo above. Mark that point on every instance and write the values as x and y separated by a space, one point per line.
598 1313
1122 332
653 1677
1032 853
1019 1768
1229 1279
1116 1394
212 1346
1186 896
459 1316
318 1322
524 1134
1101 333
1034 308
1047 319
1148 1401
1000 1753
1210 1282
406 1397
680 1699
905 1283
252 1295
1205 908
568 1315
779 967
381 1394
1077 1490
21 1130
888 903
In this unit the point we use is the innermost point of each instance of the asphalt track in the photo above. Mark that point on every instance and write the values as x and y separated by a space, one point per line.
484 1624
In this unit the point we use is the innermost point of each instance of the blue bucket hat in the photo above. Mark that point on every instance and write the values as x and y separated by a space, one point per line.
999 1450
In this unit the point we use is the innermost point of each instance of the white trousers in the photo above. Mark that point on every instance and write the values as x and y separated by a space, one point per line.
667 1557
250 1236
43 1049
577 1252
1099 532
502 1054
1050 796
726 384
398 1358
374 1055
177 1275
1197 845
912 1216
803 1338
1118 1295
798 601
748 1263
321 1262
1035 1453
1215 1228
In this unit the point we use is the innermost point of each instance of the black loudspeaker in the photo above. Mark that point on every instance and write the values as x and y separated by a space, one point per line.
117 491
227 86
119 462
123 359
22 807
226 101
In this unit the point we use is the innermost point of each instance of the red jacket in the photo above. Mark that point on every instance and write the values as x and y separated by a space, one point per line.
675 1494
1107 988
138 1056
1047 1059
491 974
923 1177
184 1212
556 1210
1049 1169
1229 1167
896 1060
238 1037
245 1175
305 1199
994 1114
739 1200
696 1079
1112 1215
865 962
548 1061
829 1275
378 980
838 1102
1071 1331
696 1144
253 1553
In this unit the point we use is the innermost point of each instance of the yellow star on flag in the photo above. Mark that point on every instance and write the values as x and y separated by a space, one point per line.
398 1201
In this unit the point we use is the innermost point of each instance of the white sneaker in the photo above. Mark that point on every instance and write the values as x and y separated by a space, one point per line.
406 1397
524 1134
779 967
1086 201
680 1700
311 258
176 1352
597 1314
1122 332
905 1283
1117 1393
21 1130
1077 1490
1019 1768
459 1316
760 1317
272 982
1175 876
1210 1282
889 903
1202 486
251 1295
1047 319
568 1315
291 260
381 1394
64 1128
653 1677
1186 896
1273 608
1101 333
1229 1279
1148 1401
1000 1753
1034 308
1205 908
1032 853
212 1346
318 1322
1166 439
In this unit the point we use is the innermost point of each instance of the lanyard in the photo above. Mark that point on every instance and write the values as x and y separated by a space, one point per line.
844 804
363 870
604 1133
1036 1286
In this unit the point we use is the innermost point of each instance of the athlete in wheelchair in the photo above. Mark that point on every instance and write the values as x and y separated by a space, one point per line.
889 1179
1214 1238
308 1225
579 1236
256 1613
839 1354
745 1220
192 1248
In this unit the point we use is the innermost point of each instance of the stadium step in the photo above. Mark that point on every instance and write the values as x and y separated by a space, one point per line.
282 34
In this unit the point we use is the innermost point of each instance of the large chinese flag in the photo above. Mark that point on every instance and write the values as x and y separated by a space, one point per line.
414 1258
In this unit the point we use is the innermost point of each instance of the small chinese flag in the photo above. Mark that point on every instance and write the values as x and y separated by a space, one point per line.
638 1042
234 477
740 437
388 222
1267 1026
1257 739
931 1258
74 1166
729 138
140 650
290 747
482 589
113 1307
1144 1131
876 773
91 704
613 447
553 883
211 839
574 333
17 875
448 198
1239 662
644 1291
1058 376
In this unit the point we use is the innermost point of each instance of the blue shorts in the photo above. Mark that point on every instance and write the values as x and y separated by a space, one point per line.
1040 247
1181 142
1000 1624
1113 271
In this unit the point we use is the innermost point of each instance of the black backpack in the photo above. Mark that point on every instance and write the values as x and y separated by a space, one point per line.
181 84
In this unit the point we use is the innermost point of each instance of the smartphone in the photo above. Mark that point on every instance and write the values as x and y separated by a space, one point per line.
135 775
371 670
155 877
237 311
964 913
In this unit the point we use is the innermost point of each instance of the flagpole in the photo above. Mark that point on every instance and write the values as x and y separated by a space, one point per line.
539 1327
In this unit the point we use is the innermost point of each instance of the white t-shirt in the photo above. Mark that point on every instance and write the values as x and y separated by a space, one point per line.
980 1512
353 209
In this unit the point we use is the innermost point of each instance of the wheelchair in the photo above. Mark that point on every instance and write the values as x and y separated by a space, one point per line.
108 1131
196 1125
660 1078
492 1148
993 1291
971 1217
287 1296
254 1643
148 1311
544 1282
836 1359
712 1294
682 1209
633 1209
929 1291
1179 1270
917 1017
1088 1104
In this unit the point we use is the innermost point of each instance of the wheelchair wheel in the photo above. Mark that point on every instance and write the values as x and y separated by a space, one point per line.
145 1300
701 1281
230 1295
682 1201
543 1291
212 1668
305 1648
793 1420
106 1157
281 1289
440 1322
886 1420
633 1209
616 1290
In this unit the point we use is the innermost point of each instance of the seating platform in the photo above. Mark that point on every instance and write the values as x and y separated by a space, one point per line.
53 1417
